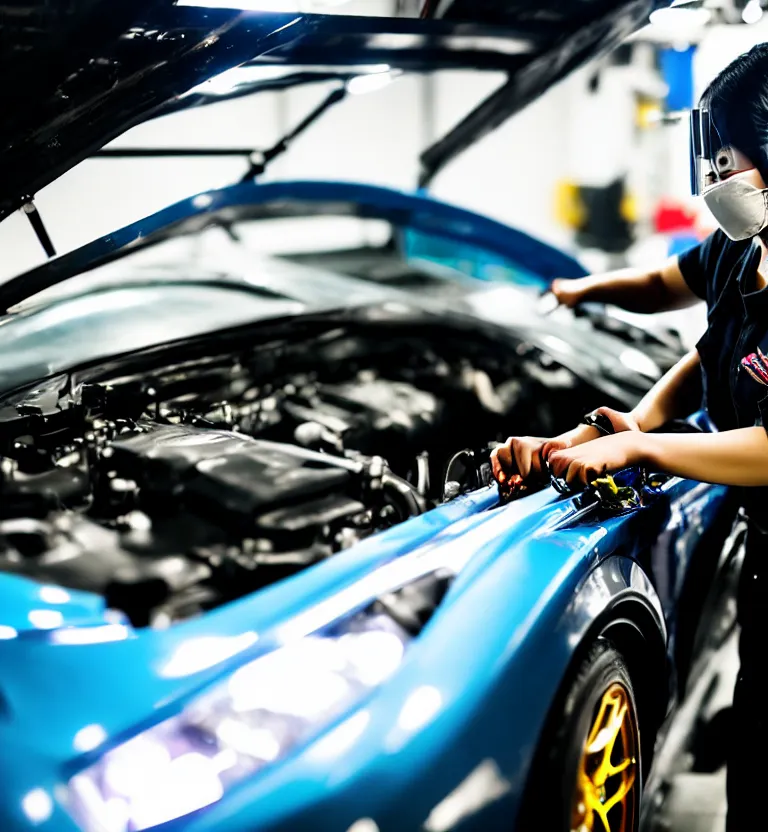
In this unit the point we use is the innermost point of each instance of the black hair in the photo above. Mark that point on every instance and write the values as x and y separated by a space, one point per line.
737 100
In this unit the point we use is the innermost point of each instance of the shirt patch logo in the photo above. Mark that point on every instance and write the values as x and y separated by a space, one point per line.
756 364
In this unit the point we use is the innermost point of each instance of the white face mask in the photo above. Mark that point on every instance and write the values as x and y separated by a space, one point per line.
739 206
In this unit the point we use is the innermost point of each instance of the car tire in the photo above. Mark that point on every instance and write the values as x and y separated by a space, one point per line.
592 730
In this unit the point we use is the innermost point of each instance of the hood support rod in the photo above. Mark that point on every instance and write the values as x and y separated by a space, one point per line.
260 159
589 40
169 152
257 159
29 209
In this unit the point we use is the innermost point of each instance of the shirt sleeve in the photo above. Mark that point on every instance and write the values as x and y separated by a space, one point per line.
762 409
697 264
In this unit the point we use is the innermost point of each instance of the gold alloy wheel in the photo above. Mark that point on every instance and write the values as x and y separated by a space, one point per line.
606 793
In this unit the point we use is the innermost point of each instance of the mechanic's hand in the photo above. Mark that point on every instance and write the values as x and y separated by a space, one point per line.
523 458
518 459
584 463
568 291
620 421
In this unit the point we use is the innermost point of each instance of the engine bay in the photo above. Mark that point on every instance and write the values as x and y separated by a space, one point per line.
172 486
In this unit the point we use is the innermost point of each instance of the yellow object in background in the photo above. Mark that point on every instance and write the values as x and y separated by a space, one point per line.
569 206
647 113
629 208
572 211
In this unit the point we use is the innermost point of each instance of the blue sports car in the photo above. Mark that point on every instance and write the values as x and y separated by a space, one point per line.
254 574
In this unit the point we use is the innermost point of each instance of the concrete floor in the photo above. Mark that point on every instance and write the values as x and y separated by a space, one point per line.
696 803
683 800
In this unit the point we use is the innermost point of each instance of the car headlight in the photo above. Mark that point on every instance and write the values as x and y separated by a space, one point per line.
264 709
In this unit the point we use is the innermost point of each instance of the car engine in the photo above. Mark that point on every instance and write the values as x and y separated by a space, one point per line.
172 482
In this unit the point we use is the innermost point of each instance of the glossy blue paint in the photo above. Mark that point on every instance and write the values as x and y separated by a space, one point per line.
535 578
466 699
21 601
417 211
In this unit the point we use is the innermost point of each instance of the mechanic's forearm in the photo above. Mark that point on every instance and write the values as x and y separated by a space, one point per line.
733 457
635 290
676 394
577 436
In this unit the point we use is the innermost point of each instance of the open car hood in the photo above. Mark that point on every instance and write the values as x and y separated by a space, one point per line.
75 74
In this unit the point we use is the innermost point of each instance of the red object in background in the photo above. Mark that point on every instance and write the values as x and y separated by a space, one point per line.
671 217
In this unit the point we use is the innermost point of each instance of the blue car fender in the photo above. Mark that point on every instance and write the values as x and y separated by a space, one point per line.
464 704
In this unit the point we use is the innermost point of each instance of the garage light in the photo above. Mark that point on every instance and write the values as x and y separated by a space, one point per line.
752 12
680 20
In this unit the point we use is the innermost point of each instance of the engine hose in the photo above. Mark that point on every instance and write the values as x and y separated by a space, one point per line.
402 495
457 457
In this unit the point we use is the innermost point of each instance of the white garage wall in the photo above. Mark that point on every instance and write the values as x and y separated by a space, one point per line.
722 44
511 173
100 195
373 137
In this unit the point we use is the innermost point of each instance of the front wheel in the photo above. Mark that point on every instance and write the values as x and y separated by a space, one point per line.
588 777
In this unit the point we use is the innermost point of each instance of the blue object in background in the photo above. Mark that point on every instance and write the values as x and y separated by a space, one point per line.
677 69
680 243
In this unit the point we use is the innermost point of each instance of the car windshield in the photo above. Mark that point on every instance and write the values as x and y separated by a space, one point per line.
404 243
228 274
377 250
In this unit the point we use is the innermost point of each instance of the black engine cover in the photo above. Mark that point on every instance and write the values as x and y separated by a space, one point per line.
223 474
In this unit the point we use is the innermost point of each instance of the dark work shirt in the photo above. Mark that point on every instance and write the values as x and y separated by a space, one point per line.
724 274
